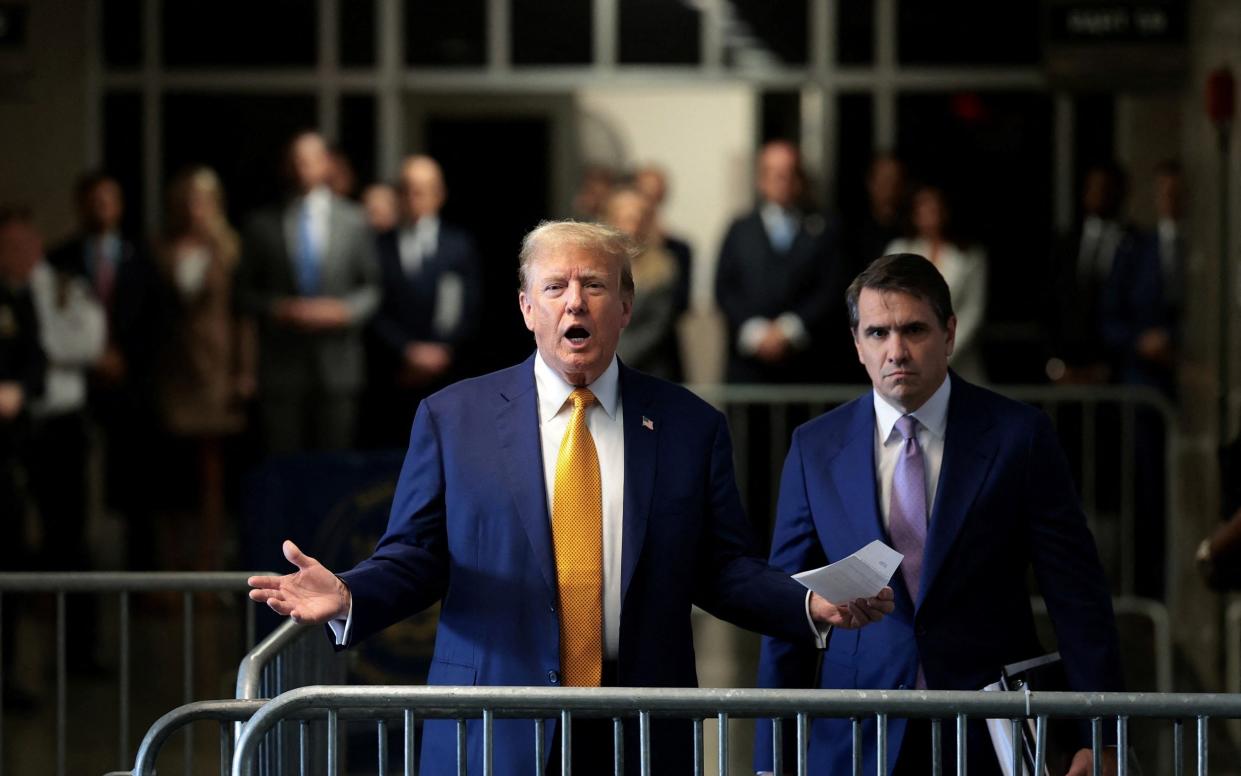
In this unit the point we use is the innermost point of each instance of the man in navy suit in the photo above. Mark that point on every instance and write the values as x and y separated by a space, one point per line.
974 490
431 295
470 522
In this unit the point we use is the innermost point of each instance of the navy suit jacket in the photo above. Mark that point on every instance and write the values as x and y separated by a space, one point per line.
1005 504
470 526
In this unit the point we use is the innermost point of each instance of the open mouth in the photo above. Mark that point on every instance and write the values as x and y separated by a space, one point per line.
577 336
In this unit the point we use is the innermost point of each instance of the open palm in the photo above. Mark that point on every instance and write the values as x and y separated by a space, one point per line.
312 594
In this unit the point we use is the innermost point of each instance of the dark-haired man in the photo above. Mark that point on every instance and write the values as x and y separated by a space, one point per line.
972 488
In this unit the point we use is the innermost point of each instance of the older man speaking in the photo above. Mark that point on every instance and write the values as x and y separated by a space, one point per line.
568 512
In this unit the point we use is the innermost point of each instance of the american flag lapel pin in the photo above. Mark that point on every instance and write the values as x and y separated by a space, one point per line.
647 423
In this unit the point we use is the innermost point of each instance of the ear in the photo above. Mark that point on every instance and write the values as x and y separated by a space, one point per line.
952 333
527 309
626 309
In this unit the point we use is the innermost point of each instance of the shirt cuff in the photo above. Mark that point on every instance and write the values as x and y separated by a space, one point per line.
750 335
342 628
822 632
794 330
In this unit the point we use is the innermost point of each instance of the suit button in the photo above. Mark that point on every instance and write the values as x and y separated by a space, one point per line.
553 677
552 607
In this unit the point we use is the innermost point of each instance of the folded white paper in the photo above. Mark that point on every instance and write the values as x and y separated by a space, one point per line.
861 575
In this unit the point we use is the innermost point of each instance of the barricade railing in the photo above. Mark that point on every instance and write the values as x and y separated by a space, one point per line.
225 712
123 585
409 705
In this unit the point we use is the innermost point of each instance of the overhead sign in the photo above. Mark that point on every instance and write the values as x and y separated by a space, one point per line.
1101 44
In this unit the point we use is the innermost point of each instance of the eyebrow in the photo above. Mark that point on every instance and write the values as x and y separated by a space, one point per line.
904 327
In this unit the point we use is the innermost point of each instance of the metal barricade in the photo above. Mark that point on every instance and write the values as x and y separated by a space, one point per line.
410 704
122 585
226 713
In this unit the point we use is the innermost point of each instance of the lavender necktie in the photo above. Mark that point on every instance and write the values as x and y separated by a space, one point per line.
907 509
907 515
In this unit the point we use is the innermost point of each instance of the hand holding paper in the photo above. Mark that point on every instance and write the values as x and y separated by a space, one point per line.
853 592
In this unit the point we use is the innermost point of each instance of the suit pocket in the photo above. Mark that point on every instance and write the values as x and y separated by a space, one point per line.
451 674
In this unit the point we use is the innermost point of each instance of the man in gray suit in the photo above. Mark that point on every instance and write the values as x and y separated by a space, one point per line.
310 279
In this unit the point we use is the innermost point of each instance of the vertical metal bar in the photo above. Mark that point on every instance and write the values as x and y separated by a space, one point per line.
226 747
618 747
962 755
250 625
700 754
332 764
488 741
1040 744
778 441
885 67
566 743
303 747
381 729
1178 747
1062 161
540 757
62 710
606 22
803 740
857 746
1128 516
1122 745
461 740
777 746
644 743
499 55
123 690
1096 746
711 36
187 656
937 747
1017 747
722 742
410 767
881 744
1202 746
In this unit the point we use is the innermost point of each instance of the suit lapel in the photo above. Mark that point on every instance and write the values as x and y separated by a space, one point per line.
641 448
969 449
517 424
853 473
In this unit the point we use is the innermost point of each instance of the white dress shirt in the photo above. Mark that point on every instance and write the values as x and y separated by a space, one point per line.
932 426
416 242
73 330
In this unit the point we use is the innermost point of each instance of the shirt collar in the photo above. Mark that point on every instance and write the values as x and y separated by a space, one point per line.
554 390
933 414
319 197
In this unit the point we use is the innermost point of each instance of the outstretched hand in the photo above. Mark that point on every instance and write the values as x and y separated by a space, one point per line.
853 614
311 595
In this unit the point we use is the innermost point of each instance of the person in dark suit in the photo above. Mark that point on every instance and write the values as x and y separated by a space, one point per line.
23 367
121 394
973 489
309 277
430 304
572 505
778 282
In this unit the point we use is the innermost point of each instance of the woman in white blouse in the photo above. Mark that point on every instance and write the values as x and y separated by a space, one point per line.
964 268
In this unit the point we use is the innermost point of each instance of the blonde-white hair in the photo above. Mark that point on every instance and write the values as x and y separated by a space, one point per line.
595 238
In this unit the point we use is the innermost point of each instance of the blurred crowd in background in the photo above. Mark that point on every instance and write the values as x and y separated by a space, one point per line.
146 373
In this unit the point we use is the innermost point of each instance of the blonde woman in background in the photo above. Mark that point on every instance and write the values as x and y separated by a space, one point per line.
207 362
649 342
964 267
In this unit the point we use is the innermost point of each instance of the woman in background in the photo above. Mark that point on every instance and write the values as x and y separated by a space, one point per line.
207 368
964 268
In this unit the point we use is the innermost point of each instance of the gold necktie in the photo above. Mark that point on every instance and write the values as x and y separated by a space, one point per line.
577 537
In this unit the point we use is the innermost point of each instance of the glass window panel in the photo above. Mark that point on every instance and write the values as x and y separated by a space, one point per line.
246 149
240 33
357 136
446 34
659 32
969 32
855 32
122 152
552 32
764 27
781 116
356 25
122 33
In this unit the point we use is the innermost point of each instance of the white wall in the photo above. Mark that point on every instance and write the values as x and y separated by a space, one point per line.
704 137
